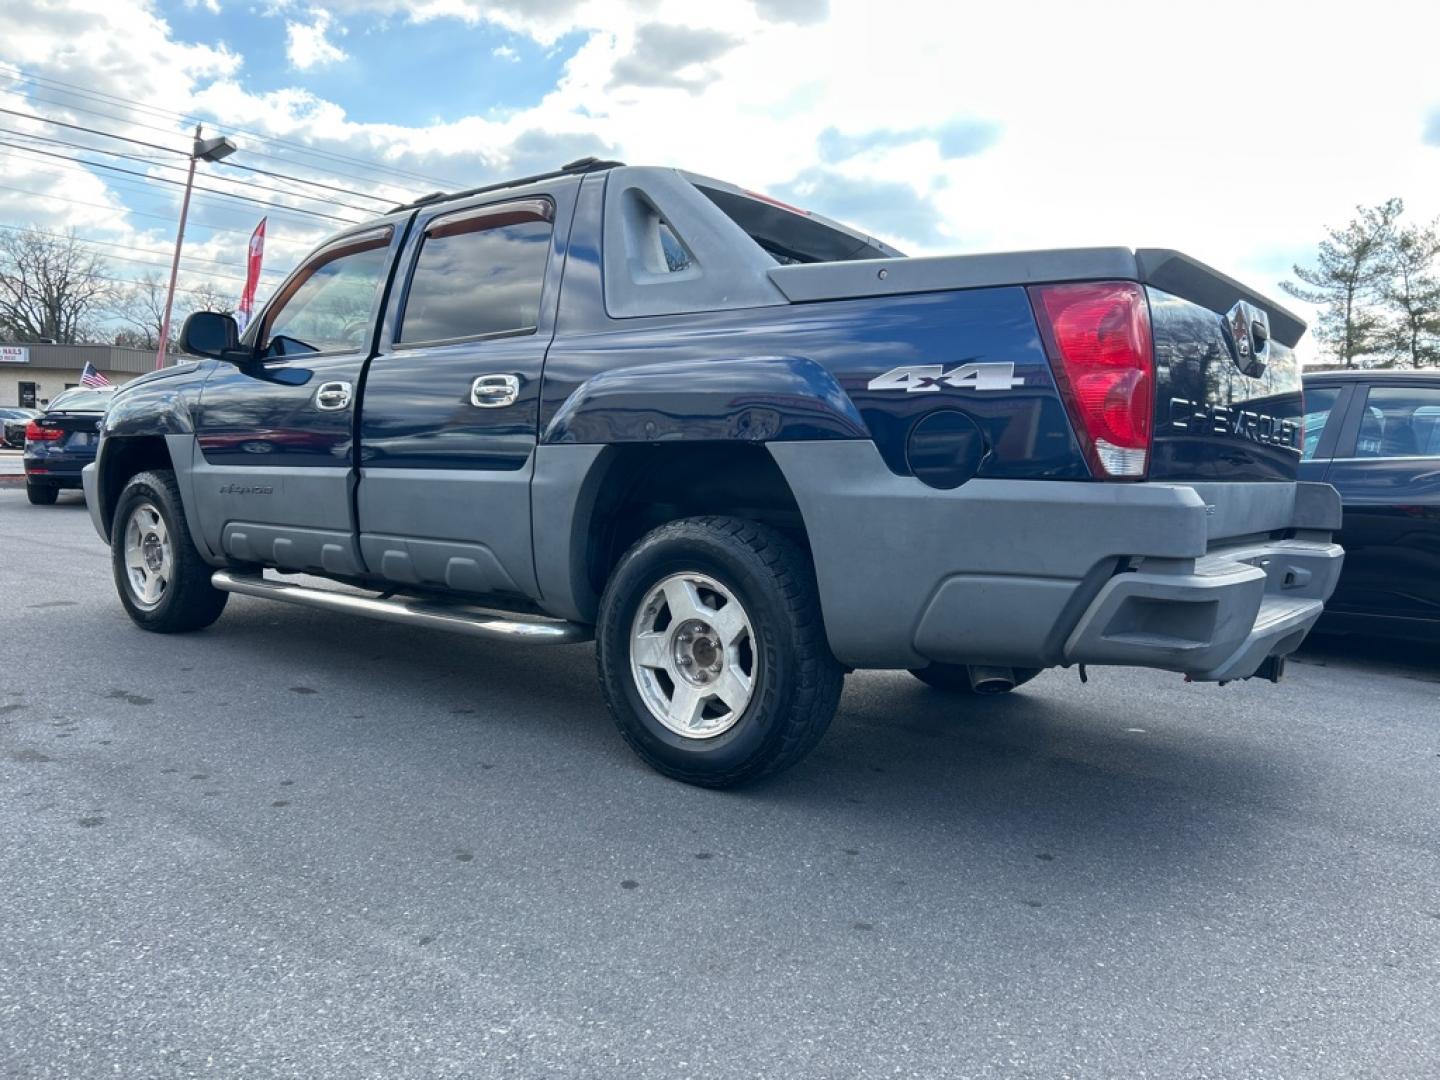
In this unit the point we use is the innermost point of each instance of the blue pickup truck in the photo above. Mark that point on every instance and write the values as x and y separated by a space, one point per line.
745 448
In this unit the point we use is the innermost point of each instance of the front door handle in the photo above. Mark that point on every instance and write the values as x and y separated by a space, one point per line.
332 396
494 391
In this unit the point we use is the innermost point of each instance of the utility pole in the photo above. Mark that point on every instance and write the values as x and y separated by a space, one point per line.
203 150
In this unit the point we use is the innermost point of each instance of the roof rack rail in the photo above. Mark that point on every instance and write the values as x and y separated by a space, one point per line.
579 165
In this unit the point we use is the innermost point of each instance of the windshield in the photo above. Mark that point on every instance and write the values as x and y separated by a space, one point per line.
81 401
7 413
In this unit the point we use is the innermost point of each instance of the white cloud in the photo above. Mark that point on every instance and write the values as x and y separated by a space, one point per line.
505 52
306 44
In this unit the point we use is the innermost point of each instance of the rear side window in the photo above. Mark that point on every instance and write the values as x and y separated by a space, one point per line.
479 273
1400 421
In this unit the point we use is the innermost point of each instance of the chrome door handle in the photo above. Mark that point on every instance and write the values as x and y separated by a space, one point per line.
332 396
494 391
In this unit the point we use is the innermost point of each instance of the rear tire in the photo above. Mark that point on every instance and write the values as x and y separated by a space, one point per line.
708 612
163 583
955 678
41 494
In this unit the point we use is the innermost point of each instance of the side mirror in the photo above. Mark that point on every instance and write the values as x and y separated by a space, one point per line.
211 334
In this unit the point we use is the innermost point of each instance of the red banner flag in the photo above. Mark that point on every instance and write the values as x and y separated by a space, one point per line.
252 275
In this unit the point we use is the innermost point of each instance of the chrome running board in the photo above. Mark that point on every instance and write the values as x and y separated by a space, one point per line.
457 618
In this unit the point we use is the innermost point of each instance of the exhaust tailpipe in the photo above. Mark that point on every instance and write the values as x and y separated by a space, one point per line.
991 680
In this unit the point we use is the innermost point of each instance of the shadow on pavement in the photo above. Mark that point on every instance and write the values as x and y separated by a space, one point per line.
1041 774
1386 656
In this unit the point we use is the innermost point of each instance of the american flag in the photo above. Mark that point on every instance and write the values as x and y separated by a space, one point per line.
92 378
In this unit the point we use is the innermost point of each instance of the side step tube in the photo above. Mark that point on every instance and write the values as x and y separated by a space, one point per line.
457 618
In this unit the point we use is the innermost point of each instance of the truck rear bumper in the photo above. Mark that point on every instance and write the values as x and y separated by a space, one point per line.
1205 579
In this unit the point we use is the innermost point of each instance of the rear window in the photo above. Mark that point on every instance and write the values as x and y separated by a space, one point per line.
81 401
787 233
479 273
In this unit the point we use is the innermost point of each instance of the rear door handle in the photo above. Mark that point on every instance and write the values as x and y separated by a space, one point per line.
332 396
494 391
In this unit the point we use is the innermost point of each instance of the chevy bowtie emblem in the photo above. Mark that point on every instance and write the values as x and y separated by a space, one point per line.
1248 329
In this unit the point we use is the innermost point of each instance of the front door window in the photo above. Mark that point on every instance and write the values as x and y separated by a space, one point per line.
329 307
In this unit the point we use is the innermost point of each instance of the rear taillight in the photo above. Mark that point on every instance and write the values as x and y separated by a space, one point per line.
1097 335
35 433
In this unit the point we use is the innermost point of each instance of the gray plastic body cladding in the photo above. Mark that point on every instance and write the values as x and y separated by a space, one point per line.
467 530
562 496
182 448
90 485
1168 270
1023 573
1214 618
1009 554
728 270
248 514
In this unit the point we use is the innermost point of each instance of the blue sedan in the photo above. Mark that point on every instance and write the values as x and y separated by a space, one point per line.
62 441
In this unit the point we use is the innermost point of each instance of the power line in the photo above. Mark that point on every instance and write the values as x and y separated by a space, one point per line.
121 209
72 107
148 178
222 179
312 183
62 87
133 247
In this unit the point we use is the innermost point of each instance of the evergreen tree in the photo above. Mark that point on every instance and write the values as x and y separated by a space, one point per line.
1411 290
1350 269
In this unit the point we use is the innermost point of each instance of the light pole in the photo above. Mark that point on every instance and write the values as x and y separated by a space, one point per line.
203 150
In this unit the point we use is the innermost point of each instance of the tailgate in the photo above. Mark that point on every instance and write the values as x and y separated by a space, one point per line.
1227 385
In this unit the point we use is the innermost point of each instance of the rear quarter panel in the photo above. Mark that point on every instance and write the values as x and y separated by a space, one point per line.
852 340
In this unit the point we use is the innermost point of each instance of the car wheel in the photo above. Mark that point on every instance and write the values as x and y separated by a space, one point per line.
955 679
162 581
712 652
41 494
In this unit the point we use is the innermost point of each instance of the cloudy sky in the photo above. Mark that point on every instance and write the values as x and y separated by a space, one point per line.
1235 132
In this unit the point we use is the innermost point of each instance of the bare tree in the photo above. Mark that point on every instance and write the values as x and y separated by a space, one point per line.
141 307
50 287
208 297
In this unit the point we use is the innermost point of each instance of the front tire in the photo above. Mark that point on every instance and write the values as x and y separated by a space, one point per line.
163 583
712 653
41 494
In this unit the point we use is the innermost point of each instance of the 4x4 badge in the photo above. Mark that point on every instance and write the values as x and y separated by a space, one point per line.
930 378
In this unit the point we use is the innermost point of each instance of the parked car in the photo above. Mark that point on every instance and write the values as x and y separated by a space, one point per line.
1375 436
62 440
13 419
745 448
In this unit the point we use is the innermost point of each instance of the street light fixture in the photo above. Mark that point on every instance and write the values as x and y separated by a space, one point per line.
212 149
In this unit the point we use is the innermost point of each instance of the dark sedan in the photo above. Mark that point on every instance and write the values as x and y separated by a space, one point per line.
1375 435
13 419
62 441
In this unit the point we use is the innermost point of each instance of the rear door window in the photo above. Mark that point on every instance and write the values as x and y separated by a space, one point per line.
479 273
1400 421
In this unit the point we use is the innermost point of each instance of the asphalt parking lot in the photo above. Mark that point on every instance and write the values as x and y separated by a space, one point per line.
307 846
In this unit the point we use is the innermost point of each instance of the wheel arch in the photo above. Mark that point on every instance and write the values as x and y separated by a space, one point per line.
591 503
122 457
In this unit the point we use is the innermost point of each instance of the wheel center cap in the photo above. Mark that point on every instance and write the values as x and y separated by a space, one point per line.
698 652
152 551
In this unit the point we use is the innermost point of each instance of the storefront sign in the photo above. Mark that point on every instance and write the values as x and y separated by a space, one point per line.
14 354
